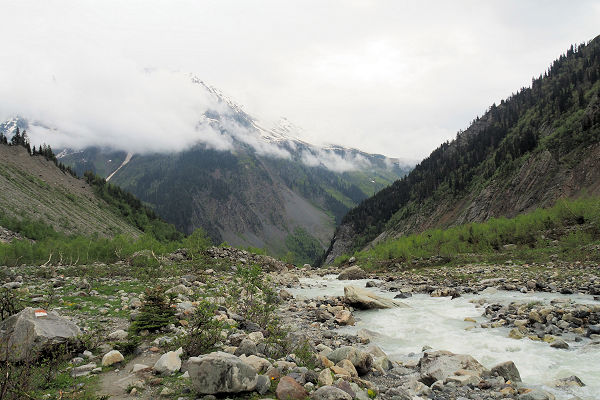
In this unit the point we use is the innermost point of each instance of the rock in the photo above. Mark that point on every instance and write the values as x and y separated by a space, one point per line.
221 372
464 380
325 377
180 289
571 381
112 357
593 330
508 370
330 393
165 392
559 344
536 394
25 335
364 299
118 335
348 366
376 351
258 363
515 334
289 389
12 285
263 384
256 337
361 360
439 365
169 362
382 363
352 273
139 367
83 370
247 347
344 317
345 386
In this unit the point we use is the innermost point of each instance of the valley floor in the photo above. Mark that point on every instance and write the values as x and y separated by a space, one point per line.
104 300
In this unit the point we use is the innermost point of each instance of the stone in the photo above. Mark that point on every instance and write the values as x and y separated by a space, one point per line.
536 394
344 317
325 377
571 381
247 347
220 372
559 344
169 362
439 365
256 337
139 367
508 370
12 285
83 370
112 357
348 366
258 363
330 393
345 386
289 389
29 332
263 384
464 380
364 299
352 273
118 335
361 360
382 363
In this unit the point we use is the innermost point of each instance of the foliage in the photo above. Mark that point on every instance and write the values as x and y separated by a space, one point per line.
132 209
10 304
559 113
567 227
157 312
303 246
204 329
196 243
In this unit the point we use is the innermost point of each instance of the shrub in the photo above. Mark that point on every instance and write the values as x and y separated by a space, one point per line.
156 312
204 329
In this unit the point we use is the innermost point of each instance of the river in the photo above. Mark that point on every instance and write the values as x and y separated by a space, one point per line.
438 322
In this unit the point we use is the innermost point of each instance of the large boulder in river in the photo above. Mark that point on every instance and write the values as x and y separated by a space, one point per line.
221 372
364 299
361 360
26 334
508 370
439 365
352 273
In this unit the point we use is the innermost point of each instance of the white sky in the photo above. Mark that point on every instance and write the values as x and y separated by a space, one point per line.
391 77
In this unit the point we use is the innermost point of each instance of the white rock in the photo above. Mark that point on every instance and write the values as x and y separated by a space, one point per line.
112 357
169 362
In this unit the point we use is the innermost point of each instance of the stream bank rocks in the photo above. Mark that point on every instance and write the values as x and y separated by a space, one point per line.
365 299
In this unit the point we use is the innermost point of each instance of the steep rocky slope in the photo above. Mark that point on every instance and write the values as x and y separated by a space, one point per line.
34 188
539 145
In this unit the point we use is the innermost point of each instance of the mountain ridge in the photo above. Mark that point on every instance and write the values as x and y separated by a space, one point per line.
531 149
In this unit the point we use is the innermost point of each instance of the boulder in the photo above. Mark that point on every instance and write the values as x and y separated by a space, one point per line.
361 360
112 357
439 365
169 362
536 394
330 393
364 299
325 377
26 334
247 347
571 381
118 335
289 389
258 363
344 317
508 370
352 273
221 372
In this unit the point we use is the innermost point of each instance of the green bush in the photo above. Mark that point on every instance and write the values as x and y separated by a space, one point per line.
204 329
156 312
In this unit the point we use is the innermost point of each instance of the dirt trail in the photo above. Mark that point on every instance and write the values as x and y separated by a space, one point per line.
115 383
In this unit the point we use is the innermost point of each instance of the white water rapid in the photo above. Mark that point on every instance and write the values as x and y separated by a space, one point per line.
439 323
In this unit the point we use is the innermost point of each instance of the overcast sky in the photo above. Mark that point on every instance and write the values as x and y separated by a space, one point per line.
391 77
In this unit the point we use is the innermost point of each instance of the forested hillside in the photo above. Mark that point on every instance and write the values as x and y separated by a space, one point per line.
538 145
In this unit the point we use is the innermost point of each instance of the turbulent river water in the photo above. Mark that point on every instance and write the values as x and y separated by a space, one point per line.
438 322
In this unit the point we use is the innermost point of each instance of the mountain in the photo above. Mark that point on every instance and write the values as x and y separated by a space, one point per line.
269 189
36 195
537 146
